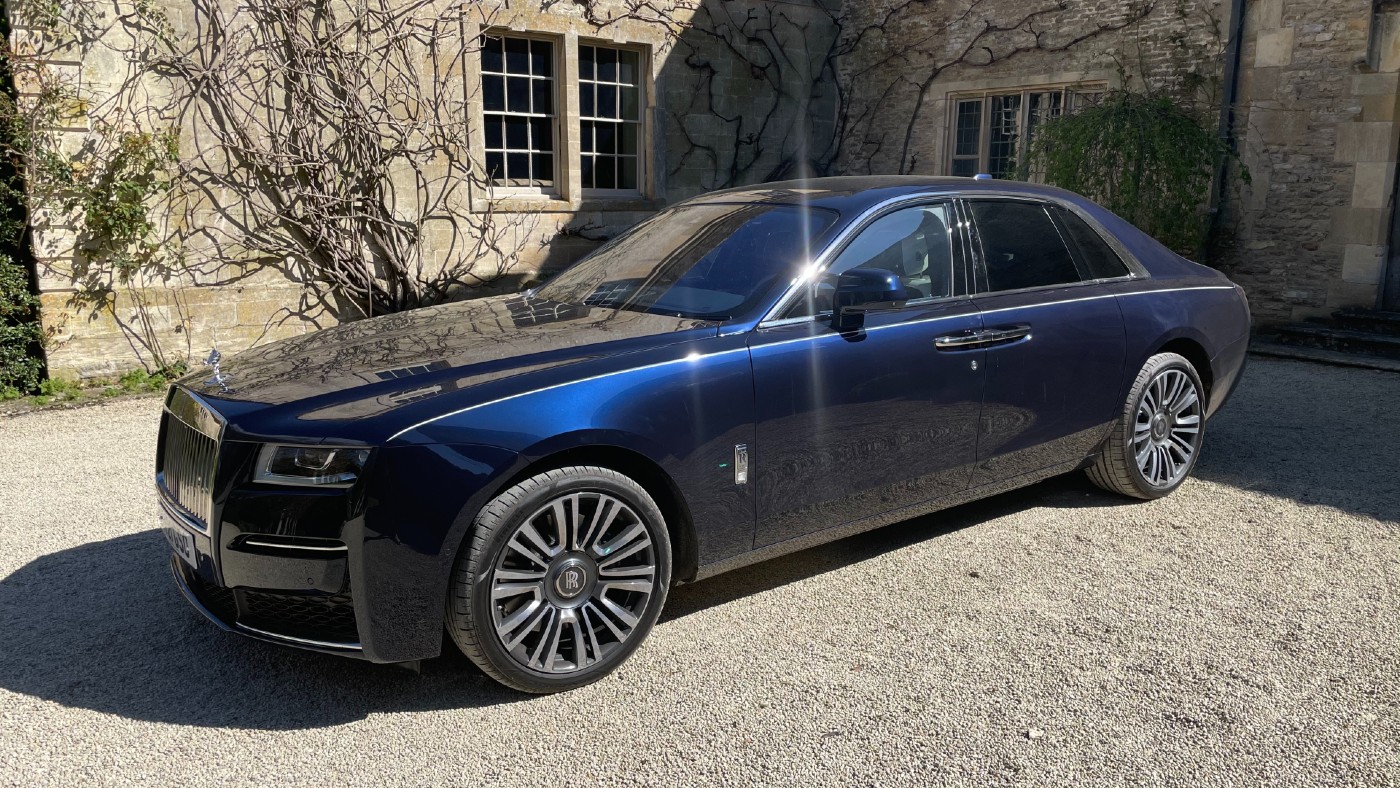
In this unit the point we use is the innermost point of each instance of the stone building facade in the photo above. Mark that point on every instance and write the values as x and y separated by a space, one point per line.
703 94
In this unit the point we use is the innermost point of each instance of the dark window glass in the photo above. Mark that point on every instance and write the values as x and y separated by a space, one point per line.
969 129
1020 246
585 62
912 242
493 54
517 56
517 133
493 93
518 94
607 65
495 139
627 64
697 261
1098 257
1003 134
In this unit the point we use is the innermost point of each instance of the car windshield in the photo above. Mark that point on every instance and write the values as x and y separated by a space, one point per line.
706 262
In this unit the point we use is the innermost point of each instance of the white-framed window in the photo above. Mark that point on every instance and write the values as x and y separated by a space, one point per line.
519 94
563 117
991 130
610 102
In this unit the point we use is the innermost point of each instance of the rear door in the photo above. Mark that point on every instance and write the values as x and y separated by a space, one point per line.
1054 372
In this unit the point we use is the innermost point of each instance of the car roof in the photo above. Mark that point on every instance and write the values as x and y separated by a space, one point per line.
856 193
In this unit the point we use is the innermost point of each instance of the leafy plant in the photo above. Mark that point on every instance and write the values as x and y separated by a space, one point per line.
1143 156
20 369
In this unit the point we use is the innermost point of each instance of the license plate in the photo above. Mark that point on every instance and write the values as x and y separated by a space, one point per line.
182 543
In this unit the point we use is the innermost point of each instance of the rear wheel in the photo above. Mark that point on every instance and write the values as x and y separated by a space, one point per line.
563 577
1157 438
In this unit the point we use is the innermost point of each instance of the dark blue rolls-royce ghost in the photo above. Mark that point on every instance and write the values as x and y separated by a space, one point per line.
744 374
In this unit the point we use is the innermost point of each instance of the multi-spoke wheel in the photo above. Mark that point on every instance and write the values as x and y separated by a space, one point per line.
1157 439
563 576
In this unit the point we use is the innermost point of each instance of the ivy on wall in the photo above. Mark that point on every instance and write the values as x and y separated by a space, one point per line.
1143 156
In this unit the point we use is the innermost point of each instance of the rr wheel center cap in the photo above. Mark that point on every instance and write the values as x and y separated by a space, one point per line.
572 579
1159 427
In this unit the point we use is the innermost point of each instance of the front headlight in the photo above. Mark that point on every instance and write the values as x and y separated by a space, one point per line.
320 466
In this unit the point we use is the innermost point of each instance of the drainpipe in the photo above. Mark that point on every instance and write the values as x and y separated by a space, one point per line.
1227 107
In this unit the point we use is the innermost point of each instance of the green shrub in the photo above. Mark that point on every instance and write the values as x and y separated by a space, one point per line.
19 332
1143 156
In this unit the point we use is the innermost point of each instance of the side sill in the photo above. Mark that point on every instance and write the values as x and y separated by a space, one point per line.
879 521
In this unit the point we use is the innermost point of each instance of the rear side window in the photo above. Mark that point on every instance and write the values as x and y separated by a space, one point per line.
1021 246
1097 256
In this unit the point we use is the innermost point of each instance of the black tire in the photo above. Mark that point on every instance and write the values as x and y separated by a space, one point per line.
587 579
1118 468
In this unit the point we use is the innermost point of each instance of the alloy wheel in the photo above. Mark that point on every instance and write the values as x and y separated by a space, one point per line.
572 582
1167 430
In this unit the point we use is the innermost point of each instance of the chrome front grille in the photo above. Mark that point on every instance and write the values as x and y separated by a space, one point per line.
189 454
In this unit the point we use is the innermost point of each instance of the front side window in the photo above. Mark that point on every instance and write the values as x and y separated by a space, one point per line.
914 243
610 117
1021 246
707 262
518 91
992 131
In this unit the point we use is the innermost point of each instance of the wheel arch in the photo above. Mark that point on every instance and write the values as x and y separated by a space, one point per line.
1194 352
641 469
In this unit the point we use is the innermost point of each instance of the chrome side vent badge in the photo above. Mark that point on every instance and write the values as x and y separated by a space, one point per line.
741 463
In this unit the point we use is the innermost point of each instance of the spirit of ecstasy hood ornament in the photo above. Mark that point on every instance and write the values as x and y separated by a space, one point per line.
219 378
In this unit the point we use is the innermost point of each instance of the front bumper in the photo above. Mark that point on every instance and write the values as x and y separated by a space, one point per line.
272 616
360 573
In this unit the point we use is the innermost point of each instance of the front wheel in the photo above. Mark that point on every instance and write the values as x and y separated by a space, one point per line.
563 576
1157 439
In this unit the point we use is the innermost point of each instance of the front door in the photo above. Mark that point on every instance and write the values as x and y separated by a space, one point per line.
858 423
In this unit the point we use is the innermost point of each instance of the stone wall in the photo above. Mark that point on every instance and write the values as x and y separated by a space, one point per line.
731 100
907 60
743 91
1319 139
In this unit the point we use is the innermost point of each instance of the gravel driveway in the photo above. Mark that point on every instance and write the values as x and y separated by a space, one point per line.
1245 630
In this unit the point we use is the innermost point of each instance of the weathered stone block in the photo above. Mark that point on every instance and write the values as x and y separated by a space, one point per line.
1361 264
1274 47
1343 294
1366 142
1378 108
1367 226
1375 84
1373 186
1279 126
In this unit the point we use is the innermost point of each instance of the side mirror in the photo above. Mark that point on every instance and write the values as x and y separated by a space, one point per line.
862 290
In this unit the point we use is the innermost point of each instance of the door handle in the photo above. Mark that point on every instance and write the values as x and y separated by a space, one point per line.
961 341
1009 333
982 337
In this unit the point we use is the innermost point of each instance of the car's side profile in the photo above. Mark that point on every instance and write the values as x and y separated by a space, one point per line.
746 374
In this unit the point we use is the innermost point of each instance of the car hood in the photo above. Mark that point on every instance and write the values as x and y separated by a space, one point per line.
363 369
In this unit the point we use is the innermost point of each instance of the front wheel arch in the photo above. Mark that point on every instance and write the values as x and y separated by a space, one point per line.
652 477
